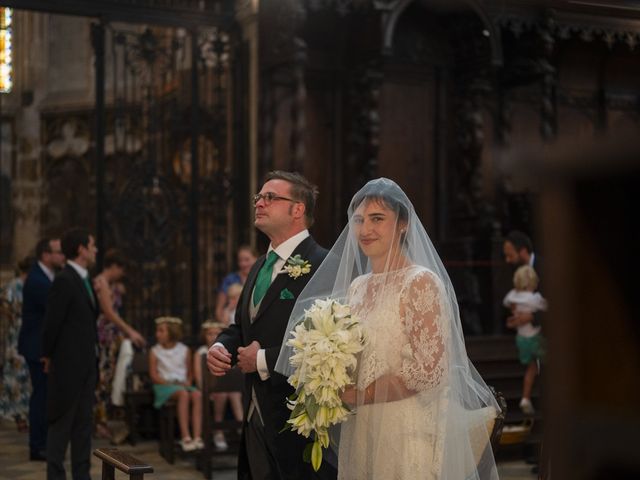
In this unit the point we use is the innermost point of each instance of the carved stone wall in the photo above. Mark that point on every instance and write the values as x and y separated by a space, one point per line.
47 80
151 203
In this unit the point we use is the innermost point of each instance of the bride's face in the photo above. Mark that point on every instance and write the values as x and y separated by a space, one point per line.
376 228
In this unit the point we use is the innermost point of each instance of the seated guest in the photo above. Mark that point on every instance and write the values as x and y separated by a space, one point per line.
172 377
233 295
246 258
228 388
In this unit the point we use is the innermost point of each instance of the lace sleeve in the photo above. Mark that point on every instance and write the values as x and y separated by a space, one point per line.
423 362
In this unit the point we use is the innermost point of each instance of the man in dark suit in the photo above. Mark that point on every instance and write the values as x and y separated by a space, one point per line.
283 211
35 291
69 345
518 251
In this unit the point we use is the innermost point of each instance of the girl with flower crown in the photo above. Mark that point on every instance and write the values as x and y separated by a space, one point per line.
170 368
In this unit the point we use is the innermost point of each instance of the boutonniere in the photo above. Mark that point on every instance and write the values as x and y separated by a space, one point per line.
297 266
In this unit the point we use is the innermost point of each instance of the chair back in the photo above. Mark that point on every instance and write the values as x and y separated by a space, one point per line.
138 377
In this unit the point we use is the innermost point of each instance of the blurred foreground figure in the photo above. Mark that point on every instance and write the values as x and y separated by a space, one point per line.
590 235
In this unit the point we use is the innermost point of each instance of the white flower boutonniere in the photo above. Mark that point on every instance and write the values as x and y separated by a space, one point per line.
296 266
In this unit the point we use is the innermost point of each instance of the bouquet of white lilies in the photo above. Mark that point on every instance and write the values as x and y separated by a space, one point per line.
325 345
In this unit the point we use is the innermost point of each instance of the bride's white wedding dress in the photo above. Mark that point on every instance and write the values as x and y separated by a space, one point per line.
403 315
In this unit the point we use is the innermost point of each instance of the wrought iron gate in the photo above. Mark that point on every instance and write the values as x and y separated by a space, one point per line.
161 196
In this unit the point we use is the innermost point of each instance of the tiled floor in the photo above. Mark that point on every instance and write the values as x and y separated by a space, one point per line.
14 464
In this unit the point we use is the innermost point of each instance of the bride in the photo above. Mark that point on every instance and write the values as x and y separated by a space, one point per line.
421 411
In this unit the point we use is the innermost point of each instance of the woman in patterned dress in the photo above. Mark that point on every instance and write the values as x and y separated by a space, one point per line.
16 388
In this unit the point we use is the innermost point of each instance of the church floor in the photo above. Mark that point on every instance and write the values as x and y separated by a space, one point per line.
14 463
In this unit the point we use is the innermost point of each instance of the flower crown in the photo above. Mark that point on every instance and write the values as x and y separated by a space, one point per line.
174 320
211 324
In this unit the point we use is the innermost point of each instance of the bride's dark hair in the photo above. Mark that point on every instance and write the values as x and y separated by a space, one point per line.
389 195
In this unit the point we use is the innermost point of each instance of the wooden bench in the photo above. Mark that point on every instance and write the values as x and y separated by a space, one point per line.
113 458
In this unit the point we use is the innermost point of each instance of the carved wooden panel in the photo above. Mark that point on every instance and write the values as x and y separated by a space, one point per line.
408 139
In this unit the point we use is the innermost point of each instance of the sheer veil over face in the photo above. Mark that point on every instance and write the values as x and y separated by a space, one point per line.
420 406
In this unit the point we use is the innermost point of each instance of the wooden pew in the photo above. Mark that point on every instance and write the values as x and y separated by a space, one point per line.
113 458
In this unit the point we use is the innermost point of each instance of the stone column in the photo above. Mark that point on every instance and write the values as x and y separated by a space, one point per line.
31 30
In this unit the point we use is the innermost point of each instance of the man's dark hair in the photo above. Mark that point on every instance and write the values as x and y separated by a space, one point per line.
302 190
519 240
72 240
43 246
114 257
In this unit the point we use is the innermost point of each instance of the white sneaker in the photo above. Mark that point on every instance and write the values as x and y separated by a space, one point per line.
219 441
199 444
187 445
527 407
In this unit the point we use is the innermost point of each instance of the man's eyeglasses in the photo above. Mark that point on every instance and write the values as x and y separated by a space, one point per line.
270 197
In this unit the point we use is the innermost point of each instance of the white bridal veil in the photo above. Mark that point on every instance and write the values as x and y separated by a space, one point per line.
421 409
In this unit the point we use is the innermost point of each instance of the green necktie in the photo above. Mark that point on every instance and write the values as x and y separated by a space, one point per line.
264 278
87 285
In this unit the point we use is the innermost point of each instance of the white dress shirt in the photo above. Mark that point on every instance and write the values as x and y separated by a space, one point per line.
83 272
284 251
47 271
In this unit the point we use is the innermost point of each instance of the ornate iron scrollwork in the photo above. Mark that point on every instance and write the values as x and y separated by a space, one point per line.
150 196
548 125
587 28
147 216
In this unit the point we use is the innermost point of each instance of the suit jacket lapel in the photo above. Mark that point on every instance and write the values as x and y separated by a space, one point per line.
282 279
80 284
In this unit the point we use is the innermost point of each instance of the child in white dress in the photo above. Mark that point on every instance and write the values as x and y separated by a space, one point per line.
524 299
172 376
